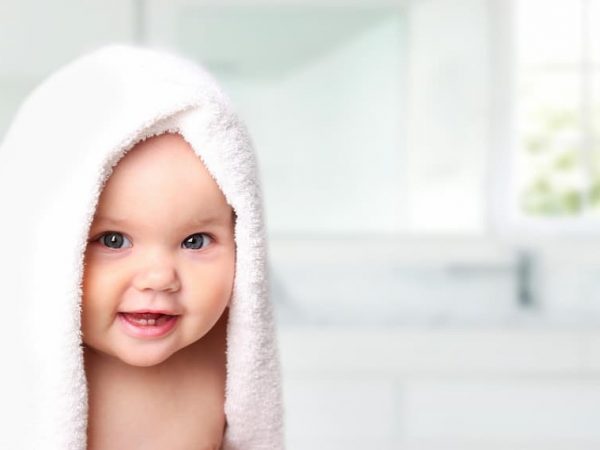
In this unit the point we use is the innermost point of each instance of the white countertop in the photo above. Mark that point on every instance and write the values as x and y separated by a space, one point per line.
410 351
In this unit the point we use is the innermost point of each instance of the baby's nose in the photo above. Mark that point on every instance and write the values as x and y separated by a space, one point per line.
161 277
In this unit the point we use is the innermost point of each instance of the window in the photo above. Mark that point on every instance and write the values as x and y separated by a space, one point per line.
557 110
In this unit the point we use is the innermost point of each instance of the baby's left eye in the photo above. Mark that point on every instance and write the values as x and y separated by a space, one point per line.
196 241
114 240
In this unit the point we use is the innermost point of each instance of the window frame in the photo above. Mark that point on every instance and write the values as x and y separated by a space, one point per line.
505 217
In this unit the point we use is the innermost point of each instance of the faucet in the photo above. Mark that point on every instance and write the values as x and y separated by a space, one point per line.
524 265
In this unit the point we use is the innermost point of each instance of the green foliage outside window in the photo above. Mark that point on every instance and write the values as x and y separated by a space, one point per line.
547 194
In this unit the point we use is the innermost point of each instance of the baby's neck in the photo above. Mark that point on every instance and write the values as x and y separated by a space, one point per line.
101 367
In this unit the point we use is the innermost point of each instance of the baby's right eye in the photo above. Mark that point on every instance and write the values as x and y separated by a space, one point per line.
113 239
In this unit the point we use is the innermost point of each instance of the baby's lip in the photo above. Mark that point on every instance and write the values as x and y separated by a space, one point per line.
151 311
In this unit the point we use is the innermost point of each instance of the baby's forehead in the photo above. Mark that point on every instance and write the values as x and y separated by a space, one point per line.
160 148
161 156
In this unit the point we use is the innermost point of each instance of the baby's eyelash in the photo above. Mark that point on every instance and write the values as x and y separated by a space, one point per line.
99 238
210 238
107 233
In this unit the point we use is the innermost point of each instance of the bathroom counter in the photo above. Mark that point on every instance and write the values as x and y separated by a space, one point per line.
441 388
419 351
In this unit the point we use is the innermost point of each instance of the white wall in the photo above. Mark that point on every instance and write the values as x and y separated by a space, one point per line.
449 115
38 37
330 137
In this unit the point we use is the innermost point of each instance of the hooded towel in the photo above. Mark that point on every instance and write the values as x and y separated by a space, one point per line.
65 140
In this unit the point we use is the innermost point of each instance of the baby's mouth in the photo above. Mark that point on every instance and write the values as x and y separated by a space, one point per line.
147 319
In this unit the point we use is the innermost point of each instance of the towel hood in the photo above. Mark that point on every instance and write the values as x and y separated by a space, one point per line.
61 147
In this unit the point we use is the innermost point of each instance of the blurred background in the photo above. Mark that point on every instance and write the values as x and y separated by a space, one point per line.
431 173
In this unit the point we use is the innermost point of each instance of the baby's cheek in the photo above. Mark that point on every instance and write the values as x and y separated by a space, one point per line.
94 285
225 286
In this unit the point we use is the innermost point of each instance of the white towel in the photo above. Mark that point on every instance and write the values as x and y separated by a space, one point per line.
58 152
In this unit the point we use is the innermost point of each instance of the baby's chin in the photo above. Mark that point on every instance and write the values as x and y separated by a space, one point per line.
136 359
133 357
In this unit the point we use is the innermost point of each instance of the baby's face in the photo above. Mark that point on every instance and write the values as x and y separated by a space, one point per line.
162 238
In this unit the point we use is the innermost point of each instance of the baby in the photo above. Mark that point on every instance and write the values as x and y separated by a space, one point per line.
138 286
162 242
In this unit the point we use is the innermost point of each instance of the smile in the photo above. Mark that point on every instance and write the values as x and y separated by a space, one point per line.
147 325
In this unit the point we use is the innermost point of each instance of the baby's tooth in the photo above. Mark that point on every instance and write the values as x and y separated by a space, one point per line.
145 322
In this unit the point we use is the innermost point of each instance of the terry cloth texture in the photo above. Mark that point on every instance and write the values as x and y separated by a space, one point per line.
61 147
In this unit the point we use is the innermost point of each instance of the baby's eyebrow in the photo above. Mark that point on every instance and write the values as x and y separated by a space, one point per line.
111 220
206 220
